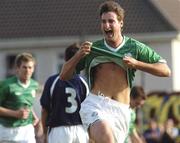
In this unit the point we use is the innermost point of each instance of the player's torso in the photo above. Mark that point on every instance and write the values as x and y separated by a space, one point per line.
66 100
108 73
19 96
111 80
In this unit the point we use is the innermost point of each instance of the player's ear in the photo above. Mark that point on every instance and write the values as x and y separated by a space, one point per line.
121 23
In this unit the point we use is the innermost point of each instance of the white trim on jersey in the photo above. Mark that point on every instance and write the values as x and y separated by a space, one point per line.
53 85
56 79
117 48
86 85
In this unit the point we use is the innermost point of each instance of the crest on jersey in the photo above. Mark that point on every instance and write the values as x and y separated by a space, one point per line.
33 92
128 55
18 93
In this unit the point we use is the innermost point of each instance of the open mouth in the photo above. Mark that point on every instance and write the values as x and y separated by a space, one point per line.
109 33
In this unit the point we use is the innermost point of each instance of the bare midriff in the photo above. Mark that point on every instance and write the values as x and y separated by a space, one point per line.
111 81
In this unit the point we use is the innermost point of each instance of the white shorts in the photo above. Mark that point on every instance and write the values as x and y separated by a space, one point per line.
68 134
23 134
95 108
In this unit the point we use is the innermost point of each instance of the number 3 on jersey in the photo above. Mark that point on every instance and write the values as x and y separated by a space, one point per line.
72 100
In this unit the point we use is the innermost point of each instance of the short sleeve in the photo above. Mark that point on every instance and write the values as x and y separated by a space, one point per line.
3 93
45 99
147 54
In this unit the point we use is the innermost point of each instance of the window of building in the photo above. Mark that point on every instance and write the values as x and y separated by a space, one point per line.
10 61
60 61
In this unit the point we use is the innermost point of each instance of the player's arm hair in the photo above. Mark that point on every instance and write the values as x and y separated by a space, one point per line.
157 69
44 115
69 68
21 113
7 112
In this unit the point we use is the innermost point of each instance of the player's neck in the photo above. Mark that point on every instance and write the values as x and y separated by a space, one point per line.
116 43
23 83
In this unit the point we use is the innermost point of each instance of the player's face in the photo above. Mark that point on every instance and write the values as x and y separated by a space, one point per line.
137 103
111 26
25 71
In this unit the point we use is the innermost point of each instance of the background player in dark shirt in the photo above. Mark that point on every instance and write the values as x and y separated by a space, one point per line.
60 103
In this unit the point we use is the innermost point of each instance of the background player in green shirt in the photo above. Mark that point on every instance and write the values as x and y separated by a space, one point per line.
137 100
17 95
110 65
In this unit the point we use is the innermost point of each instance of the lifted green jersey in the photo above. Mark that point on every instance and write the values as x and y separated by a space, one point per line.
14 96
102 53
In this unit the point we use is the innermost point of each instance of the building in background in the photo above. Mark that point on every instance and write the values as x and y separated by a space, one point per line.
45 28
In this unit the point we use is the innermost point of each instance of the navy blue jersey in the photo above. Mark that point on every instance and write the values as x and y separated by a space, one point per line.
62 100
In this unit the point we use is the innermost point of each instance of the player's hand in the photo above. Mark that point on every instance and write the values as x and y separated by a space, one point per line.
130 62
85 48
36 121
22 113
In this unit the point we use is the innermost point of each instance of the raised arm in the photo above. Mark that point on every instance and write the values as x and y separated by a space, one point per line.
158 69
70 65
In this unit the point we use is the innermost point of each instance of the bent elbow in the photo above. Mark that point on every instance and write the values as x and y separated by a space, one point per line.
166 73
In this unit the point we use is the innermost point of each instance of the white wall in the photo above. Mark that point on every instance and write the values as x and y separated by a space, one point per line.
47 62
176 64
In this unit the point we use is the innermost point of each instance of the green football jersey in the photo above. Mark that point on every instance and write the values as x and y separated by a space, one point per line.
102 53
131 123
14 96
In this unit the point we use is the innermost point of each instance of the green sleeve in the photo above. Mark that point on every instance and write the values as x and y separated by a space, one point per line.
148 55
3 93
